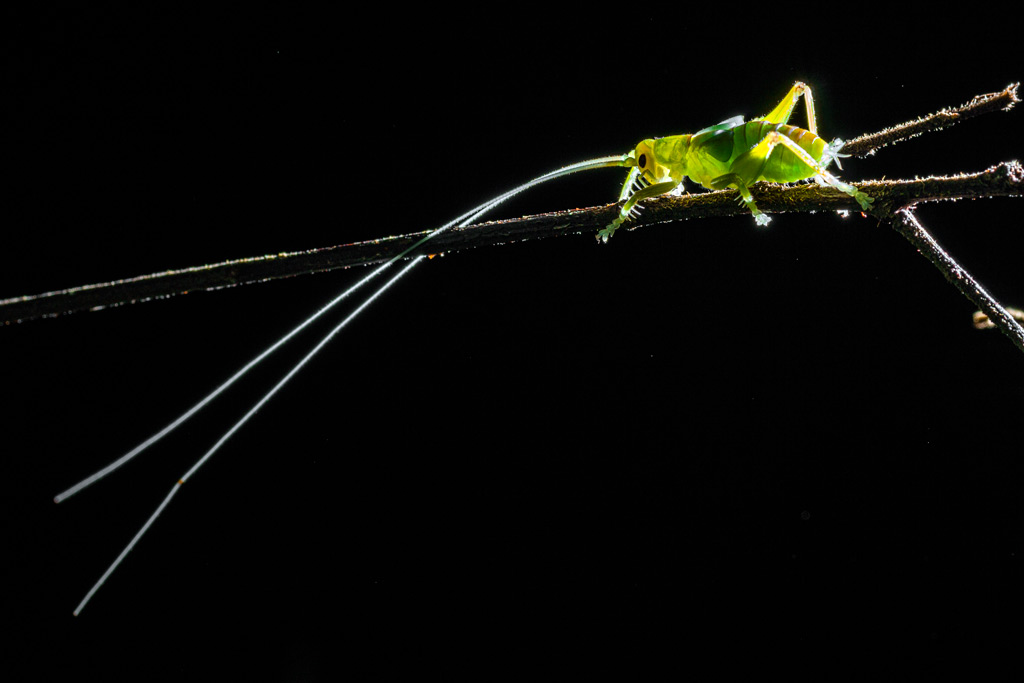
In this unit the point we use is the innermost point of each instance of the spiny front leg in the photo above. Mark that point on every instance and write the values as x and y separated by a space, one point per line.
634 182
627 209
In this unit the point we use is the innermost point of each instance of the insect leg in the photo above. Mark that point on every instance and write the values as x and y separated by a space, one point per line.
782 112
862 199
736 181
746 169
645 193
627 187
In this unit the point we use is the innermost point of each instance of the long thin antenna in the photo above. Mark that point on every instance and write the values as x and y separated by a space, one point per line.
462 221
96 476
238 425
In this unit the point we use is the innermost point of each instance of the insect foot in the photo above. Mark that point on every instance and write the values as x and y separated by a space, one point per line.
603 235
864 200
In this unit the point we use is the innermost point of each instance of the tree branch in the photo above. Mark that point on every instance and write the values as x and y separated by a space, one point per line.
868 144
906 223
890 197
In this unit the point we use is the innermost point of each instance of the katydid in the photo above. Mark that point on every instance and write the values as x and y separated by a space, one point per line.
734 154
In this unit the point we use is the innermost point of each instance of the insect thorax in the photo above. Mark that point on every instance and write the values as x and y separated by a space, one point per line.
669 158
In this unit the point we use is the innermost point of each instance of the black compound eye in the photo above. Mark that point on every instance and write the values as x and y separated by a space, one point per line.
642 161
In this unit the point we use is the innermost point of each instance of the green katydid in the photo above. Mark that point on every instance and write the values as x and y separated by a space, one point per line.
734 154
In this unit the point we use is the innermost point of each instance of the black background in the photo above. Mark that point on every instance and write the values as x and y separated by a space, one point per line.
699 437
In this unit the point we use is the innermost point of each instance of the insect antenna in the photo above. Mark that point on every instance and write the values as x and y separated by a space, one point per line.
462 221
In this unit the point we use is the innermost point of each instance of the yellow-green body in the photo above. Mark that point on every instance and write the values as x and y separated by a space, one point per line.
734 154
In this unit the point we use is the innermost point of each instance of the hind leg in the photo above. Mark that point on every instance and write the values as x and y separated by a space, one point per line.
820 172
782 112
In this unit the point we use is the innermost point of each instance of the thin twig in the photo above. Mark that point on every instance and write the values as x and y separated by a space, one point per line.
907 224
890 196
868 144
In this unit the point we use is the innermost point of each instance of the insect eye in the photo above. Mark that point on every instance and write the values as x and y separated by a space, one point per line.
642 161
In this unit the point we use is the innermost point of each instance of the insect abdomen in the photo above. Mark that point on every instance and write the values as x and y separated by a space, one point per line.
783 166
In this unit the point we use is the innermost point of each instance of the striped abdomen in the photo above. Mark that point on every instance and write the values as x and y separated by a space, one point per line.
782 166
